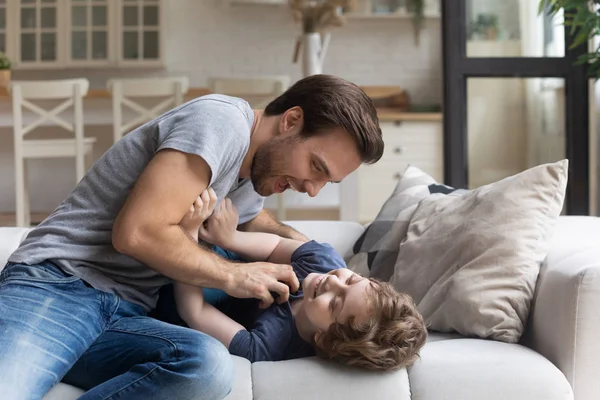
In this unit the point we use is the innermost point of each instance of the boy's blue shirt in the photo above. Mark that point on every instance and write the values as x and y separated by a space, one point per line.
271 333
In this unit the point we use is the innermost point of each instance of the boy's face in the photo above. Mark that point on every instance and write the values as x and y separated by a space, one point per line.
334 297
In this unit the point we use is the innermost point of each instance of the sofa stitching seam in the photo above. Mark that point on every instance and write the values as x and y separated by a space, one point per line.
581 277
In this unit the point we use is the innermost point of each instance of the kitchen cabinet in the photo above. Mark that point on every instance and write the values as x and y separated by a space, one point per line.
3 23
415 142
82 33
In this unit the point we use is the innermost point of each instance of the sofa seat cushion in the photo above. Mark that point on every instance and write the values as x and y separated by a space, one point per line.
242 385
313 378
10 238
438 336
242 380
62 391
475 369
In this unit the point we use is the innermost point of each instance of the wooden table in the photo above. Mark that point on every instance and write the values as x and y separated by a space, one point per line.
99 99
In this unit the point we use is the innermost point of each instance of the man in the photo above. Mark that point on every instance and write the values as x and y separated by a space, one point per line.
75 295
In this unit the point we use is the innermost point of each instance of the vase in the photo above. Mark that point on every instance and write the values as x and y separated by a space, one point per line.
313 53
4 78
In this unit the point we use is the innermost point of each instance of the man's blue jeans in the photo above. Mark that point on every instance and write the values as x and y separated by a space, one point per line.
53 327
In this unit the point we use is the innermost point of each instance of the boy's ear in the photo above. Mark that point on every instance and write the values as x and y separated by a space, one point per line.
318 335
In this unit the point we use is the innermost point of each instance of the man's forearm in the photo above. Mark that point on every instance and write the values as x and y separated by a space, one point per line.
171 252
265 222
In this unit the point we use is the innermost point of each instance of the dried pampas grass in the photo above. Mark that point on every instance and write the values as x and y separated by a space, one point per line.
317 16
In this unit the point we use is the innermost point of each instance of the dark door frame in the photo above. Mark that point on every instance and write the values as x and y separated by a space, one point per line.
457 68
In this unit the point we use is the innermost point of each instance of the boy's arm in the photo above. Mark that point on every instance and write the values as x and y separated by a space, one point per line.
254 345
258 246
265 222
221 230
202 316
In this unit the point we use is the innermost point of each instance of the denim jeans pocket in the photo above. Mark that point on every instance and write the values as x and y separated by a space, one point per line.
45 271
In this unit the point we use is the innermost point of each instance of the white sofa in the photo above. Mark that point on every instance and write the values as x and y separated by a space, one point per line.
559 357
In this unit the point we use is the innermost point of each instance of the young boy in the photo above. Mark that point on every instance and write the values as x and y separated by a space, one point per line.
336 314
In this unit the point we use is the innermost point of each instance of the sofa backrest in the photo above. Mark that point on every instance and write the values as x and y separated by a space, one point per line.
9 241
340 234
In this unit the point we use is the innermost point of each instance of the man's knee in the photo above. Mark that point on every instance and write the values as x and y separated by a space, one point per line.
208 367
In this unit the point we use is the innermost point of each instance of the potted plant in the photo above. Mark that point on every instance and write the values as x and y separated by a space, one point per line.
583 18
5 65
416 8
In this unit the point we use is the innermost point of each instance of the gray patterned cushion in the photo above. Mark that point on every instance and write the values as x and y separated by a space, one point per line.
374 254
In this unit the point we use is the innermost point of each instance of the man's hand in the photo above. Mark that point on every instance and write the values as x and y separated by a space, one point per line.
221 226
202 208
259 279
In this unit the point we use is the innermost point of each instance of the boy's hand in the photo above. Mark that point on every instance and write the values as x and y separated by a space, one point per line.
221 227
202 208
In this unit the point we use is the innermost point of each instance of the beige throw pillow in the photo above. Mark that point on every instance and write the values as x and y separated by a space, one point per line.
471 261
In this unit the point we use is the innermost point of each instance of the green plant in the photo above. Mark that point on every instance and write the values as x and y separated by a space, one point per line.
416 7
583 18
4 61
483 25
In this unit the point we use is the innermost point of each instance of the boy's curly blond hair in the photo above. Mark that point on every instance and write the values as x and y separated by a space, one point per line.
390 339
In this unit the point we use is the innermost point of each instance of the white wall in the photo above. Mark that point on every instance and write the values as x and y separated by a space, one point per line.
210 37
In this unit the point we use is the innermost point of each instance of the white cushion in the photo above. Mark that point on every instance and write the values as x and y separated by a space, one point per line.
476 369
471 260
313 378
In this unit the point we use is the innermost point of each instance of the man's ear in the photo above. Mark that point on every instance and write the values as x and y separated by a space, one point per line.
292 121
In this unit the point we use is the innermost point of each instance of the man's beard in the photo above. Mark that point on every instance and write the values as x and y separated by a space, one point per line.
269 164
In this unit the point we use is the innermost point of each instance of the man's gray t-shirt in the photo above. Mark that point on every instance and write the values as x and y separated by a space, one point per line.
77 235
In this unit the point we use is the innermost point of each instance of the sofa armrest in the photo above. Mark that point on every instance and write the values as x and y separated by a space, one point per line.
565 318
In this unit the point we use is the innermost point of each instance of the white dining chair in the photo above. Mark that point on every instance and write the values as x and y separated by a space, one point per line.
168 91
258 91
24 95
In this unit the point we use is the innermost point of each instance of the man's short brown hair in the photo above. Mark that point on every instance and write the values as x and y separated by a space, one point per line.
331 102
390 339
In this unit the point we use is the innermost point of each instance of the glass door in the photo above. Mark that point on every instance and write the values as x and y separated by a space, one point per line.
513 96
